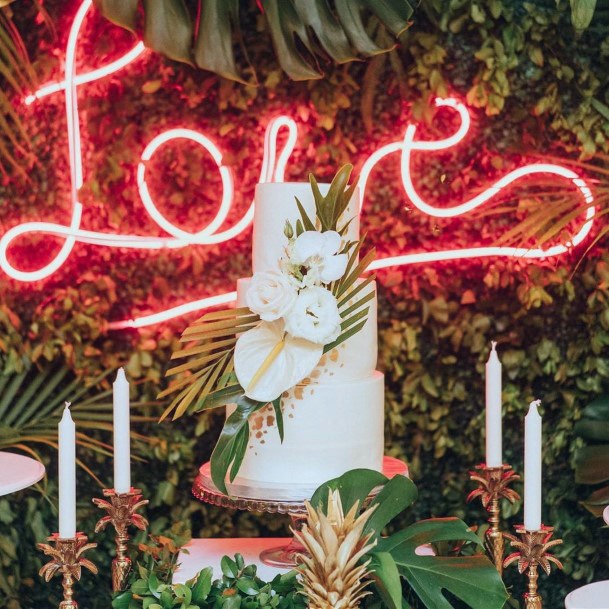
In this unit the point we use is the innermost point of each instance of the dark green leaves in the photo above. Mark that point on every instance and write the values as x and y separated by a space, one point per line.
355 485
592 461
301 31
214 43
168 28
120 12
237 587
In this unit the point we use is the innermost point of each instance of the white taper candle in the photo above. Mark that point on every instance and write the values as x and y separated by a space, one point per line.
532 468
67 475
122 449
494 456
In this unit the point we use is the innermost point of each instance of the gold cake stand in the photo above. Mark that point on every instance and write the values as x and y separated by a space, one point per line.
272 500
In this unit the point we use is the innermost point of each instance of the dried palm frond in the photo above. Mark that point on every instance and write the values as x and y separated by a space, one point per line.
333 576
210 381
32 402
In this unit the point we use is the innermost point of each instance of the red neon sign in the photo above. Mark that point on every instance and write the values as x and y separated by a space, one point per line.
273 168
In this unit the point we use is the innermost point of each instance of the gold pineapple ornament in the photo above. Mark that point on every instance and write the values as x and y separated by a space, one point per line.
331 575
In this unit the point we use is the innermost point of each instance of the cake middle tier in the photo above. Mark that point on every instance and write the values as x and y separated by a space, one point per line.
353 359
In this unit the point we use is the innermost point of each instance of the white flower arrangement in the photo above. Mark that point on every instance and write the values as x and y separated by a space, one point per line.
299 315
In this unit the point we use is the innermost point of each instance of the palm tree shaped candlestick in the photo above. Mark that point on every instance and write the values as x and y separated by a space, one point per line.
493 485
67 558
121 509
532 552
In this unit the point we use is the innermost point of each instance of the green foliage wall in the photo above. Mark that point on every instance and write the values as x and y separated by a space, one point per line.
539 89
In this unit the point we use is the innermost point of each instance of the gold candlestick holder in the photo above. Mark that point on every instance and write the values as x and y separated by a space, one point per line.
532 552
67 558
121 508
494 485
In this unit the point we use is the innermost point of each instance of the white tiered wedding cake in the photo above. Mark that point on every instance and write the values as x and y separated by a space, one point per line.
333 419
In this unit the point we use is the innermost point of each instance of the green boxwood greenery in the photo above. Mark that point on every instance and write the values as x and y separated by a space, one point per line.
536 87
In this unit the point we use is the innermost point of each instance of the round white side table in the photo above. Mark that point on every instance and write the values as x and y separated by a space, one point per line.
592 596
18 472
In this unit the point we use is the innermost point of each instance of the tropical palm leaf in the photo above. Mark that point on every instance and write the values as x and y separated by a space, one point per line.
301 31
32 403
559 210
209 381
17 77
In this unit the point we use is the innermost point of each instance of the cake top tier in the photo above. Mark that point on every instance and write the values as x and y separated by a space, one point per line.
275 202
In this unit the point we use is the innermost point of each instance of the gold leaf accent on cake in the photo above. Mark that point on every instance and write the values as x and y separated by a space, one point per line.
334 355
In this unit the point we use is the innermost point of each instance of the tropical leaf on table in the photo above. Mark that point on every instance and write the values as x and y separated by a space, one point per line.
208 379
32 403
301 31
472 579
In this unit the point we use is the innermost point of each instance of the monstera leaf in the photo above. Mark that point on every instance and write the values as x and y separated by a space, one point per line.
394 561
301 30
472 579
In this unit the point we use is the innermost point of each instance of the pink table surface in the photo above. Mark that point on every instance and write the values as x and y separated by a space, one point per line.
18 472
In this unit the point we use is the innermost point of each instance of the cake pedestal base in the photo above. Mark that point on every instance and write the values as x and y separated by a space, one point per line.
273 501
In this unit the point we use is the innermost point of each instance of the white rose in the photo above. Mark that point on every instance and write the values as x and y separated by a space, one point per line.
318 252
314 316
270 295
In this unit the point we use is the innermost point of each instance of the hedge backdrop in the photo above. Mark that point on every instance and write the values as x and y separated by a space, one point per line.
535 87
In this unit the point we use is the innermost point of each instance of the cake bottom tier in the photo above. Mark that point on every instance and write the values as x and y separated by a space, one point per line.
329 428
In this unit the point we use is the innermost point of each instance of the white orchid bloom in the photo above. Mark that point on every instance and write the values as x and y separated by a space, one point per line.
318 253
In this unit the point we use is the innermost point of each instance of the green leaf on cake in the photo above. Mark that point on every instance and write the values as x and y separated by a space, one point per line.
232 444
352 275
209 380
307 223
278 416
329 209
354 317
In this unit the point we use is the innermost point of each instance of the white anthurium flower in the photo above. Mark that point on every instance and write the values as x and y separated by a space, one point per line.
314 316
318 252
271 295
268 361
